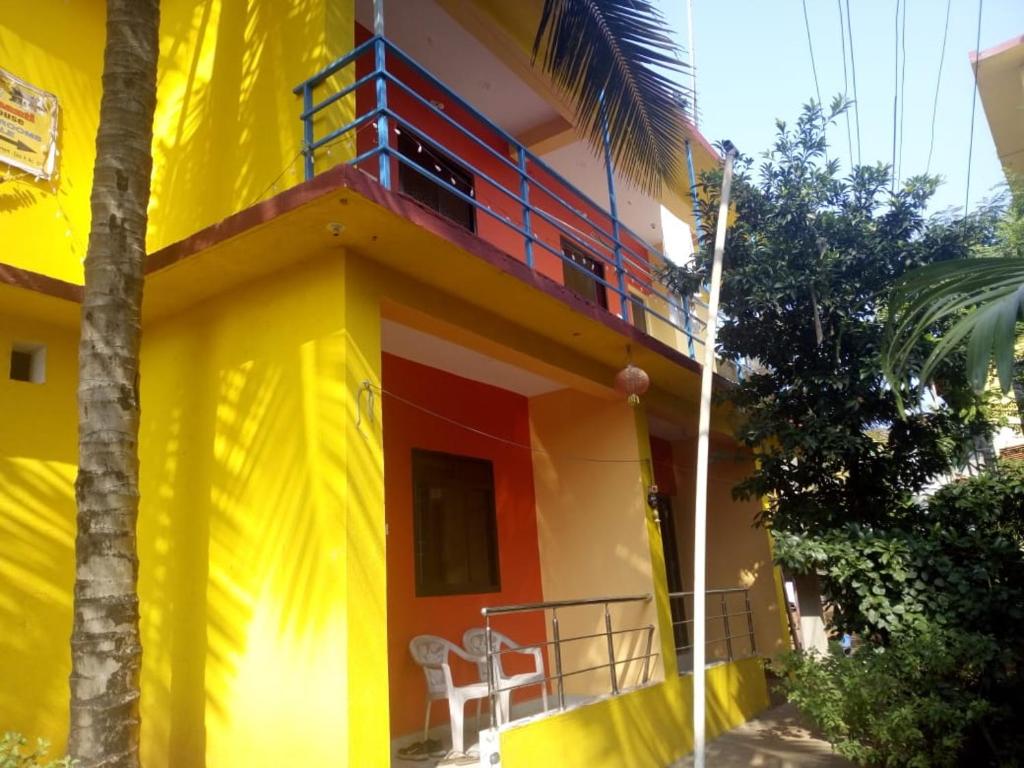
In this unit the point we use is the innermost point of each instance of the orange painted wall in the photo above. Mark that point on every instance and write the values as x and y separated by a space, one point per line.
497 412
590 226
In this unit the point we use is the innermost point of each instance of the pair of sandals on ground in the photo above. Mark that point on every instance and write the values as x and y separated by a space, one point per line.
433 749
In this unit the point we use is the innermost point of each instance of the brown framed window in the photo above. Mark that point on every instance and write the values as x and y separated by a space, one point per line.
423 184
578 278
455 525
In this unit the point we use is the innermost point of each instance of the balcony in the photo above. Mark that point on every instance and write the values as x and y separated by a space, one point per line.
378 109
599 658
593 653
729 626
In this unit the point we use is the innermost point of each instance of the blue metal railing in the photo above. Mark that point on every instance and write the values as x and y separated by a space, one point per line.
542 204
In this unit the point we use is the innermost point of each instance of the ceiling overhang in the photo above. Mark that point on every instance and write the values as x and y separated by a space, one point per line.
1000 77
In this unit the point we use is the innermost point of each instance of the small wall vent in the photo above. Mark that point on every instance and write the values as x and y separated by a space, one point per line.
28 362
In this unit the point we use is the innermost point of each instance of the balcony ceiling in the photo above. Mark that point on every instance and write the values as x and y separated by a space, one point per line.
640 212
435 40
424 348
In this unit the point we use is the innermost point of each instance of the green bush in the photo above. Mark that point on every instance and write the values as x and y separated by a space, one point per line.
12 754
955 562
915 703
937 597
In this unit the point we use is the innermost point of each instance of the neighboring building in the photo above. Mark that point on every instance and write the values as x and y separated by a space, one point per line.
808 612
1000 75
377 397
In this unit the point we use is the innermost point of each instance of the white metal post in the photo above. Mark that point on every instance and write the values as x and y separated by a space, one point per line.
693 59
703 446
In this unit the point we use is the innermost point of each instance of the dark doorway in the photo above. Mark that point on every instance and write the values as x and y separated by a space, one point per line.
670 548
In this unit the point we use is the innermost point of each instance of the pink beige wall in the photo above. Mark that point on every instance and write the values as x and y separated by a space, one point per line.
738 553
592 524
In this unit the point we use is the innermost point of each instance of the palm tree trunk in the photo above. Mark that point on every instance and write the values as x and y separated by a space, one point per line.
106 653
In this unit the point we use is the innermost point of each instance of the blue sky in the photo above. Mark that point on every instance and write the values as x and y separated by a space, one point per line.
753 65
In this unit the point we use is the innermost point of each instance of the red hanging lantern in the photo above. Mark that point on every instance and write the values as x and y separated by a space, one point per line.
632 382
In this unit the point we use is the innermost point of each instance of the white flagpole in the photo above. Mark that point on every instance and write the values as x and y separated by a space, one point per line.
693 59
700 517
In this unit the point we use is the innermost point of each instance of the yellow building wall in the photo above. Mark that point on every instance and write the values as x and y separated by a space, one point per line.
56 46
592 529
261 534
649 728
666 332
226 130
38 457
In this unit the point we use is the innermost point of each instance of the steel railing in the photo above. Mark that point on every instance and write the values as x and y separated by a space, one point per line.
730 624
558 641
525 195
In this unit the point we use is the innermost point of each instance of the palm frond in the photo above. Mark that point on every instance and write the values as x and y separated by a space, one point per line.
991 293
619 51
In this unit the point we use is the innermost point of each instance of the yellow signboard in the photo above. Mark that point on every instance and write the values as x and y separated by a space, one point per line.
28 126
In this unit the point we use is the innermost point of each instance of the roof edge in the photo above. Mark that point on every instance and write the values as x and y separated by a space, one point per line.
40 283
976 56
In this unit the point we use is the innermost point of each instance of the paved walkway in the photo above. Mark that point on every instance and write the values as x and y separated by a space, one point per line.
777 739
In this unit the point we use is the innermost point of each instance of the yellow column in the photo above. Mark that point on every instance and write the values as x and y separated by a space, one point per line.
367 568
780 596
659 578
262 528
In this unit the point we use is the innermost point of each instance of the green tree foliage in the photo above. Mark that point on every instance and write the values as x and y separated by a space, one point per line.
956 563
808 261
933 588
13 753
620 68
954 572
983 295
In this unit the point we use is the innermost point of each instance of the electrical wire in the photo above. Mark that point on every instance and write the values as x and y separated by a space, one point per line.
938 82
499 438
650 463
903 86
814 70
853 73
974 104
895 94
273 184
349 137
846 84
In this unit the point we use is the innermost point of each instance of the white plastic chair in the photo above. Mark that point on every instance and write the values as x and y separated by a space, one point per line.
431 653
475 642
